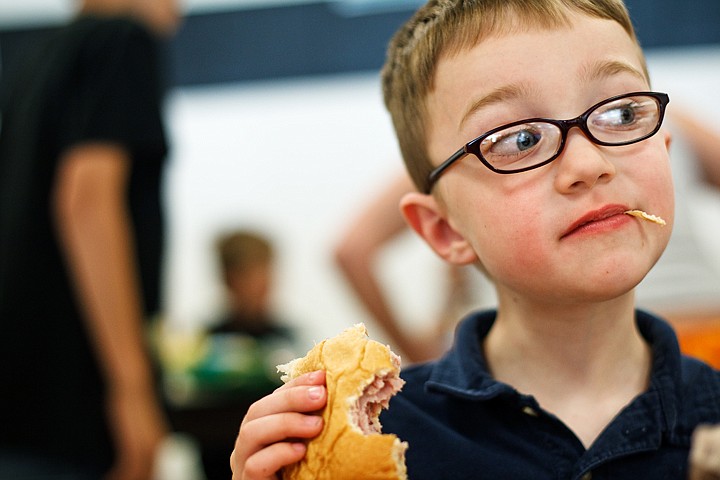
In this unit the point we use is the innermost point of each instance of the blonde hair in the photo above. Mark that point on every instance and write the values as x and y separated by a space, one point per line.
446 27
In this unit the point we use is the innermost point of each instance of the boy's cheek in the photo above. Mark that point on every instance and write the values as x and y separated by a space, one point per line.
653 170
522 250
655 193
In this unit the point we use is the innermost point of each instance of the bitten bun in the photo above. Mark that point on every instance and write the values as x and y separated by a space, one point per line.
361 376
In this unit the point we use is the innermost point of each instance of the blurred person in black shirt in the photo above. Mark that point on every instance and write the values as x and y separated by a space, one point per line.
82 150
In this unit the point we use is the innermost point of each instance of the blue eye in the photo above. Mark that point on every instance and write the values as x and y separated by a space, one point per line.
625 119
620 116
627 116
512 141
624 115
526 140
514 146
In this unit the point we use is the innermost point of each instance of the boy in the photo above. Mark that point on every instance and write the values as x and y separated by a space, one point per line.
246 262
242 347
565 380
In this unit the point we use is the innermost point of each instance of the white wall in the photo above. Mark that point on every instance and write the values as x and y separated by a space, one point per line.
298 159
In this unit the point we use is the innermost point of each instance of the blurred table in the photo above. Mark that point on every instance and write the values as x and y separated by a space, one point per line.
208 387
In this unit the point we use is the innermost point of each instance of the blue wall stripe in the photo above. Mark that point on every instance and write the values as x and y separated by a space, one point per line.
311 39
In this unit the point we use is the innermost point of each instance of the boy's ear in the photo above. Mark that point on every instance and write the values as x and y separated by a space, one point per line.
668 138
425 216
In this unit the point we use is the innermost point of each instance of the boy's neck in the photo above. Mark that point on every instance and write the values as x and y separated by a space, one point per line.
572 360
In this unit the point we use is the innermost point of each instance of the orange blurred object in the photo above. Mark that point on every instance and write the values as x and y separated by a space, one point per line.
699 337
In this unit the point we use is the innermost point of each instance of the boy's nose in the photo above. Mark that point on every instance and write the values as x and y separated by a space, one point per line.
582 164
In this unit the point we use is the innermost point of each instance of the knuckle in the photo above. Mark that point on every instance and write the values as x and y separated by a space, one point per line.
295 398
256 468
252 411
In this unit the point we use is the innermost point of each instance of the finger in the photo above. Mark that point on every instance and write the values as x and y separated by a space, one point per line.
277 428
311 378
278 417
270 431
264 432
267 462
294 398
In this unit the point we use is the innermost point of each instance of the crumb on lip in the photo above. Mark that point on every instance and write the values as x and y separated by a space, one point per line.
646 216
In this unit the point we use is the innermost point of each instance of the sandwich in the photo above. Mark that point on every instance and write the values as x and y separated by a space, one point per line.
361 377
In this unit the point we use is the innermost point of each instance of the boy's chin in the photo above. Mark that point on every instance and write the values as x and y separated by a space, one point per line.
589 290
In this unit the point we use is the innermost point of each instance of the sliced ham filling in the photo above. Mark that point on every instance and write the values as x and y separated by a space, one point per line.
365 412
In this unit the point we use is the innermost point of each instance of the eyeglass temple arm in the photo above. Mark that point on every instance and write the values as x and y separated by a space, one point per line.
435 174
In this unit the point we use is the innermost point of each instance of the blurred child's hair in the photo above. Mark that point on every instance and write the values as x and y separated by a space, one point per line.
239 250
446 27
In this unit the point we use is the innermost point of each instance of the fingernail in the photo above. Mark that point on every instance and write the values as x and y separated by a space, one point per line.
315 393
299 447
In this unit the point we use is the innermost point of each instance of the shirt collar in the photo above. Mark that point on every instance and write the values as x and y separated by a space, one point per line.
463 371
665 377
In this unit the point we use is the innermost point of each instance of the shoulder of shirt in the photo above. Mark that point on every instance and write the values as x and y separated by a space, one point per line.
700 390
694 370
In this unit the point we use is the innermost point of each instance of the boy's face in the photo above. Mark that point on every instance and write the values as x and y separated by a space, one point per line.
522 227
250 288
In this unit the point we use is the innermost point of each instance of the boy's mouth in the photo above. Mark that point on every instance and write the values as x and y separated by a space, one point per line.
594 216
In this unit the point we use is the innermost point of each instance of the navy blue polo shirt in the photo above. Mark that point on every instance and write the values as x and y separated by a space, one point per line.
460 423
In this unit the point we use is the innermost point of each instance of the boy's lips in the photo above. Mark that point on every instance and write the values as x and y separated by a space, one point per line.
595 216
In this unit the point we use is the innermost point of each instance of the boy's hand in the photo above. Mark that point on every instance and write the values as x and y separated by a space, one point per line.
271 435
705 453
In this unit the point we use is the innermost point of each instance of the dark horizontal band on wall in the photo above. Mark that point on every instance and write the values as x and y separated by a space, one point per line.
312 39
280 42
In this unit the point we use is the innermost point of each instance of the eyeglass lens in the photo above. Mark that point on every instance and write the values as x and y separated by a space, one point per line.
616 122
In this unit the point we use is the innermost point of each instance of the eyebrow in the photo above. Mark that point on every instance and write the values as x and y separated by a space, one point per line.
499 95
600 69
609 68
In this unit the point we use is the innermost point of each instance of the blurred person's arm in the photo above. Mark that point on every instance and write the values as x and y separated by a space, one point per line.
356 252
704 141
93 223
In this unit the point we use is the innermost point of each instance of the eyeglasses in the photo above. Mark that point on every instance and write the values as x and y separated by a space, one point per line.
527 144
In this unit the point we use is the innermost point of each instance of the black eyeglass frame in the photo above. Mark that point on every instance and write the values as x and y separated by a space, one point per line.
473 146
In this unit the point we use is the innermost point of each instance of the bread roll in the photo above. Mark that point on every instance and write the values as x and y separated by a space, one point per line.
361 375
